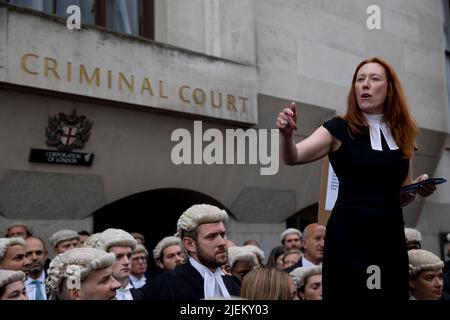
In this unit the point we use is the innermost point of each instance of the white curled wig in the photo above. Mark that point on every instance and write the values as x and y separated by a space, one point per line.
5 243
200 214
163 244
74 266
115 238
423 260
301 274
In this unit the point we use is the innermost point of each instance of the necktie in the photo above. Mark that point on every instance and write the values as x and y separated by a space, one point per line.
38 284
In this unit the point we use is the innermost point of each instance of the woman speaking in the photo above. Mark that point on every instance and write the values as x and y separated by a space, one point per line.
371 150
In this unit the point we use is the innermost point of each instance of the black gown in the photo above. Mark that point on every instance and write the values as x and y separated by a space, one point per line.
366 227
185 283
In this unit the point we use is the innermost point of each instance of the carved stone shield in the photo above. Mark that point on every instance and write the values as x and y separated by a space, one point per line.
68 132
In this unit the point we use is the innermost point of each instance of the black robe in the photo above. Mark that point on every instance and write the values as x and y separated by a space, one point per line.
184 283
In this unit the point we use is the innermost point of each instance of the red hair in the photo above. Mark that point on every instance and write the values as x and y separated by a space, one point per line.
396 111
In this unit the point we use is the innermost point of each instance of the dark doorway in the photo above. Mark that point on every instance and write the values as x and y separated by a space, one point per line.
302 218
153 213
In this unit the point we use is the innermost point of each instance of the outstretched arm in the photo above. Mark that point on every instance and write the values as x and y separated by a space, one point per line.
316 146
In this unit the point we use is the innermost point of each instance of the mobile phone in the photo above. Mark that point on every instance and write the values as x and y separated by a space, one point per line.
418 185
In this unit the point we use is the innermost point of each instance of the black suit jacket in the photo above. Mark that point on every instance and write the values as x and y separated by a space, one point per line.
446 289
137 294
184 283
446 268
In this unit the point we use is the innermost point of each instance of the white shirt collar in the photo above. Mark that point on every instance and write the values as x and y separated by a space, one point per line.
138 282
128 287
307 263
378 126
213 284
41 278
31 288
125 293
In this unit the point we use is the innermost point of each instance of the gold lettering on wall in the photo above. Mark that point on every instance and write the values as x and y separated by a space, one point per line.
231 103
109 79
199 96
213 104
161 90
188 96
146 86
181 93
51 65
244 104
95 76
69 71
24 65
122 79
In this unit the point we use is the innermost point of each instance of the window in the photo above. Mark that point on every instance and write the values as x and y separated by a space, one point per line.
40 5
135 17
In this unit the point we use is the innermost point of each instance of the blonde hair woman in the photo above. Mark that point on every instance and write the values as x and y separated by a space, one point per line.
268 284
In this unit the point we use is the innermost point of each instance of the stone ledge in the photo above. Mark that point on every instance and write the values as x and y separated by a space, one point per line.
43 196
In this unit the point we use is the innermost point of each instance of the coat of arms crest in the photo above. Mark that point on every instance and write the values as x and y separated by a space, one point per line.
68 132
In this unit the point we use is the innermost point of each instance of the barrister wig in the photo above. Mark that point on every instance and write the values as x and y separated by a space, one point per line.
256 251
140 249
19 224
5 243
115 238
92 240
412 235
240 254
423 260
9 276
200 214
396 111
63 235
288 232
163 244
74 266
301 274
